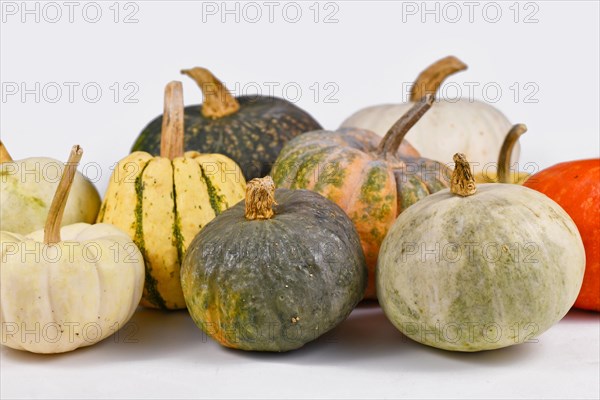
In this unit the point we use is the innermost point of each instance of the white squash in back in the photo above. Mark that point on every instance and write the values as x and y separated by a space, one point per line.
60 294
472 127
494 268
27 187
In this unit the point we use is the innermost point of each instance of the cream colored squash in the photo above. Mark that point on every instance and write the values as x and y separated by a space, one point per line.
26 190
472 127
162 202
479 268
61 289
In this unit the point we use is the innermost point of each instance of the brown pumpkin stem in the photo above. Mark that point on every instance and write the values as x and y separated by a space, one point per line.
218 102
260 198
57 208
4 154
395 135
429 81
506 151
462 182
171 137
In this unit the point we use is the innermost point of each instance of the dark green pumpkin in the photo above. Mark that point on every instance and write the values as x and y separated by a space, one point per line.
251 130
274 284
372 179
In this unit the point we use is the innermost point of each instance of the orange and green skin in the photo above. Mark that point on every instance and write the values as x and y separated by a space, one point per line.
346 167
274 284
252 136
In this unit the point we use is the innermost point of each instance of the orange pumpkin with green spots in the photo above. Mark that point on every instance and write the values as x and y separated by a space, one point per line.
372 179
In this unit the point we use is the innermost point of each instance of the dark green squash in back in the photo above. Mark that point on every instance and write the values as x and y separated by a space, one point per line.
257 281
251 130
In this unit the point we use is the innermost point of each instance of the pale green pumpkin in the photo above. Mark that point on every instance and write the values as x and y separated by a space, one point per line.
493 267
27 187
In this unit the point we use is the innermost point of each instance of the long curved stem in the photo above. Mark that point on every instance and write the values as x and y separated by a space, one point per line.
57 208
432 77
506 151
171 137
395 135
218 102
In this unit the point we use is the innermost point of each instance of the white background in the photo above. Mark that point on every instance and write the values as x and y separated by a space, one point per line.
366 55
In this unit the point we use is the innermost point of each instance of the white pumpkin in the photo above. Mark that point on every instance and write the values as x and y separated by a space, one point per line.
27 188
60 294
494 268
472 127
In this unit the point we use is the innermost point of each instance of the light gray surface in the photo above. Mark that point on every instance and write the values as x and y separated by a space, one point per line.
365 357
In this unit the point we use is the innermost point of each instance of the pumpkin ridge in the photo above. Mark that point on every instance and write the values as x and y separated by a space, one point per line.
221 282
215 307
177 235
356 195
269 278
309 161
213 197
101 212
306 259
153 296
281 171
411 188
309 173
330 172
353 182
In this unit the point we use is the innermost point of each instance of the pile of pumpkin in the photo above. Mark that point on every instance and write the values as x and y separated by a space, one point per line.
270 230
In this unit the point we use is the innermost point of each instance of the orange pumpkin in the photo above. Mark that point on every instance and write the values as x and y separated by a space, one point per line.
372 179
575 186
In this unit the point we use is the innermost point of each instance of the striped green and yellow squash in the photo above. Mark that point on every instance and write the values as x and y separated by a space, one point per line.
163 202
371 179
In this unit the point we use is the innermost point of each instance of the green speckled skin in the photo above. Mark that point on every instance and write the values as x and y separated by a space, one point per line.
274 285
481 272
345 167
252 137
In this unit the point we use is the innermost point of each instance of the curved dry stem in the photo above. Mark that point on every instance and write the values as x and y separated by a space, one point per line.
506 151
218 102
392 140
432 77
